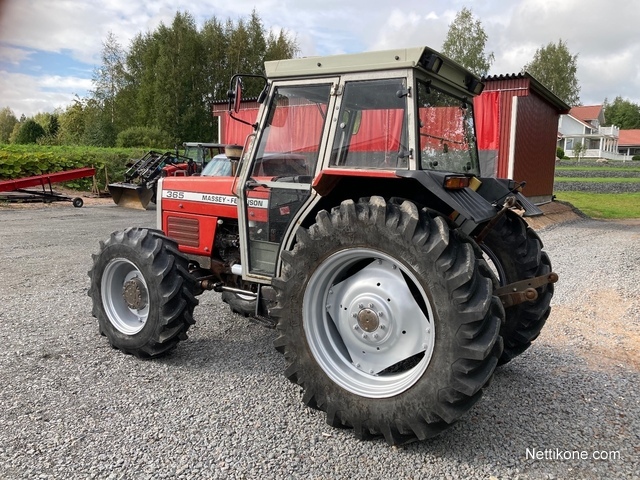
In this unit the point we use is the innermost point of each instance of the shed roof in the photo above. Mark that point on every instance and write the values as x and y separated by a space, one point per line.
535 86
629 138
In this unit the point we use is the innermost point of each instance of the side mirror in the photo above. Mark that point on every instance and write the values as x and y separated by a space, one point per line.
235 94
237 97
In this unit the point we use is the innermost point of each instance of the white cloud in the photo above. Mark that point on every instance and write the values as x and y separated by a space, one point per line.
604 35
13 55
28 95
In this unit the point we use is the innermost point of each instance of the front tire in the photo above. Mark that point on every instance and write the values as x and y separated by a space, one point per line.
387 320
142 292
241 304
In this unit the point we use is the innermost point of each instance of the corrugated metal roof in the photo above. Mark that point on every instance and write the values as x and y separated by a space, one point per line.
534 85
629 138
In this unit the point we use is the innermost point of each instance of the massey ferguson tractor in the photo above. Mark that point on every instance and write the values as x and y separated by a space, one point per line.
357 223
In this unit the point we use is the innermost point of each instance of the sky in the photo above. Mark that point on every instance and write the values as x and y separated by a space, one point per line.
49 49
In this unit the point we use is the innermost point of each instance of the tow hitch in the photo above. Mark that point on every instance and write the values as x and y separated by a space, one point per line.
524 290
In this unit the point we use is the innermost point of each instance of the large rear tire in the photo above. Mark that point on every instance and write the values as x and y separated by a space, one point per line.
515 251
142 292
387 320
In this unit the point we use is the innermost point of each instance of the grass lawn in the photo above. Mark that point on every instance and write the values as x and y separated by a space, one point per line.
599 179
604 205
597 169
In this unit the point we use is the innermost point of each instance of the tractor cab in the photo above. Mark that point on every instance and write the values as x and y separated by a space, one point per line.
398 122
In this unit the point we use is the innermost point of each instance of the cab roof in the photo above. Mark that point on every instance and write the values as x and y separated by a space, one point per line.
422 58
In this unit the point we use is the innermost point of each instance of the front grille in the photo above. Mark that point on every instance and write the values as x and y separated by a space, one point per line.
185 231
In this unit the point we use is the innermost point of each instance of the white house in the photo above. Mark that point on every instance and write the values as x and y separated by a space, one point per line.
629 142
583 125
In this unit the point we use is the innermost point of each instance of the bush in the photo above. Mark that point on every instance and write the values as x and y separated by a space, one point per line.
142 137
26 160
29 132
635 157
559 152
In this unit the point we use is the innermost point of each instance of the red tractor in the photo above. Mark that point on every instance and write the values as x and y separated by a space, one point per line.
358 224
141 178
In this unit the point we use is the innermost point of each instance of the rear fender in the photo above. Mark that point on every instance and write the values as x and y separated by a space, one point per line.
496 190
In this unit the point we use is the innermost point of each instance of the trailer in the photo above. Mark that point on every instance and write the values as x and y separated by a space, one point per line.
17 190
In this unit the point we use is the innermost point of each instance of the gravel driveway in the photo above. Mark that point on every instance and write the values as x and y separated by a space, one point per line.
219 406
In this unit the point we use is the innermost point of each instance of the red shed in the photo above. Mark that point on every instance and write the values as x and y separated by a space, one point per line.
517 125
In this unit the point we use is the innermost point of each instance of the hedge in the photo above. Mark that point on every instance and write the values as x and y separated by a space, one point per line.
26 160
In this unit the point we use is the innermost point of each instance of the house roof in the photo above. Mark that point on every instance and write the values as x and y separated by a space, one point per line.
586 113
535 86
581 122
629 138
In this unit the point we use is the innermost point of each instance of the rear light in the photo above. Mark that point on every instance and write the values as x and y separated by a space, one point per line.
456 183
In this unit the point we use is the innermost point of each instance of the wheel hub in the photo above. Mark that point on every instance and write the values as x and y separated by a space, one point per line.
368 320
134 293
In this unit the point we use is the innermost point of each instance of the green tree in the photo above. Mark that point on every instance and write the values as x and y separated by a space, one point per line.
466 41
30 131
7 121
140 80
180 109
622 113
170 76
72 123
109 79
15 131
99 130
215 42
281 46
556 68
48 121
579 149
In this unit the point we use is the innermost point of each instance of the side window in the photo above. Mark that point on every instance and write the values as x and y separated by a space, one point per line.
290 143
447 132
372 129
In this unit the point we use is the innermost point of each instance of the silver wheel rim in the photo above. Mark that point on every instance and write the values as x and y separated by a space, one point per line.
124 316
368 322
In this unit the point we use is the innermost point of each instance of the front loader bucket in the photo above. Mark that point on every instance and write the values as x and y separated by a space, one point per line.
130 195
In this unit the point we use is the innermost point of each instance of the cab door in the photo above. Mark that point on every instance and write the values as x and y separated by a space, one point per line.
275 181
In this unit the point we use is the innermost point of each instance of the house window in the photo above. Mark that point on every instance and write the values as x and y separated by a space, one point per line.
568 144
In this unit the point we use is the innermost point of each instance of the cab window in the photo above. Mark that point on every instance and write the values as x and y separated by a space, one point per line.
290 143
372 125
447 134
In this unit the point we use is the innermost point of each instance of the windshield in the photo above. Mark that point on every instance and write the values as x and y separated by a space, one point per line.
447 134
290 143
219 166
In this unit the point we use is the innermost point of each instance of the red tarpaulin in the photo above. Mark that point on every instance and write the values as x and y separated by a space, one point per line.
486 116
380 130
442 125
295 129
